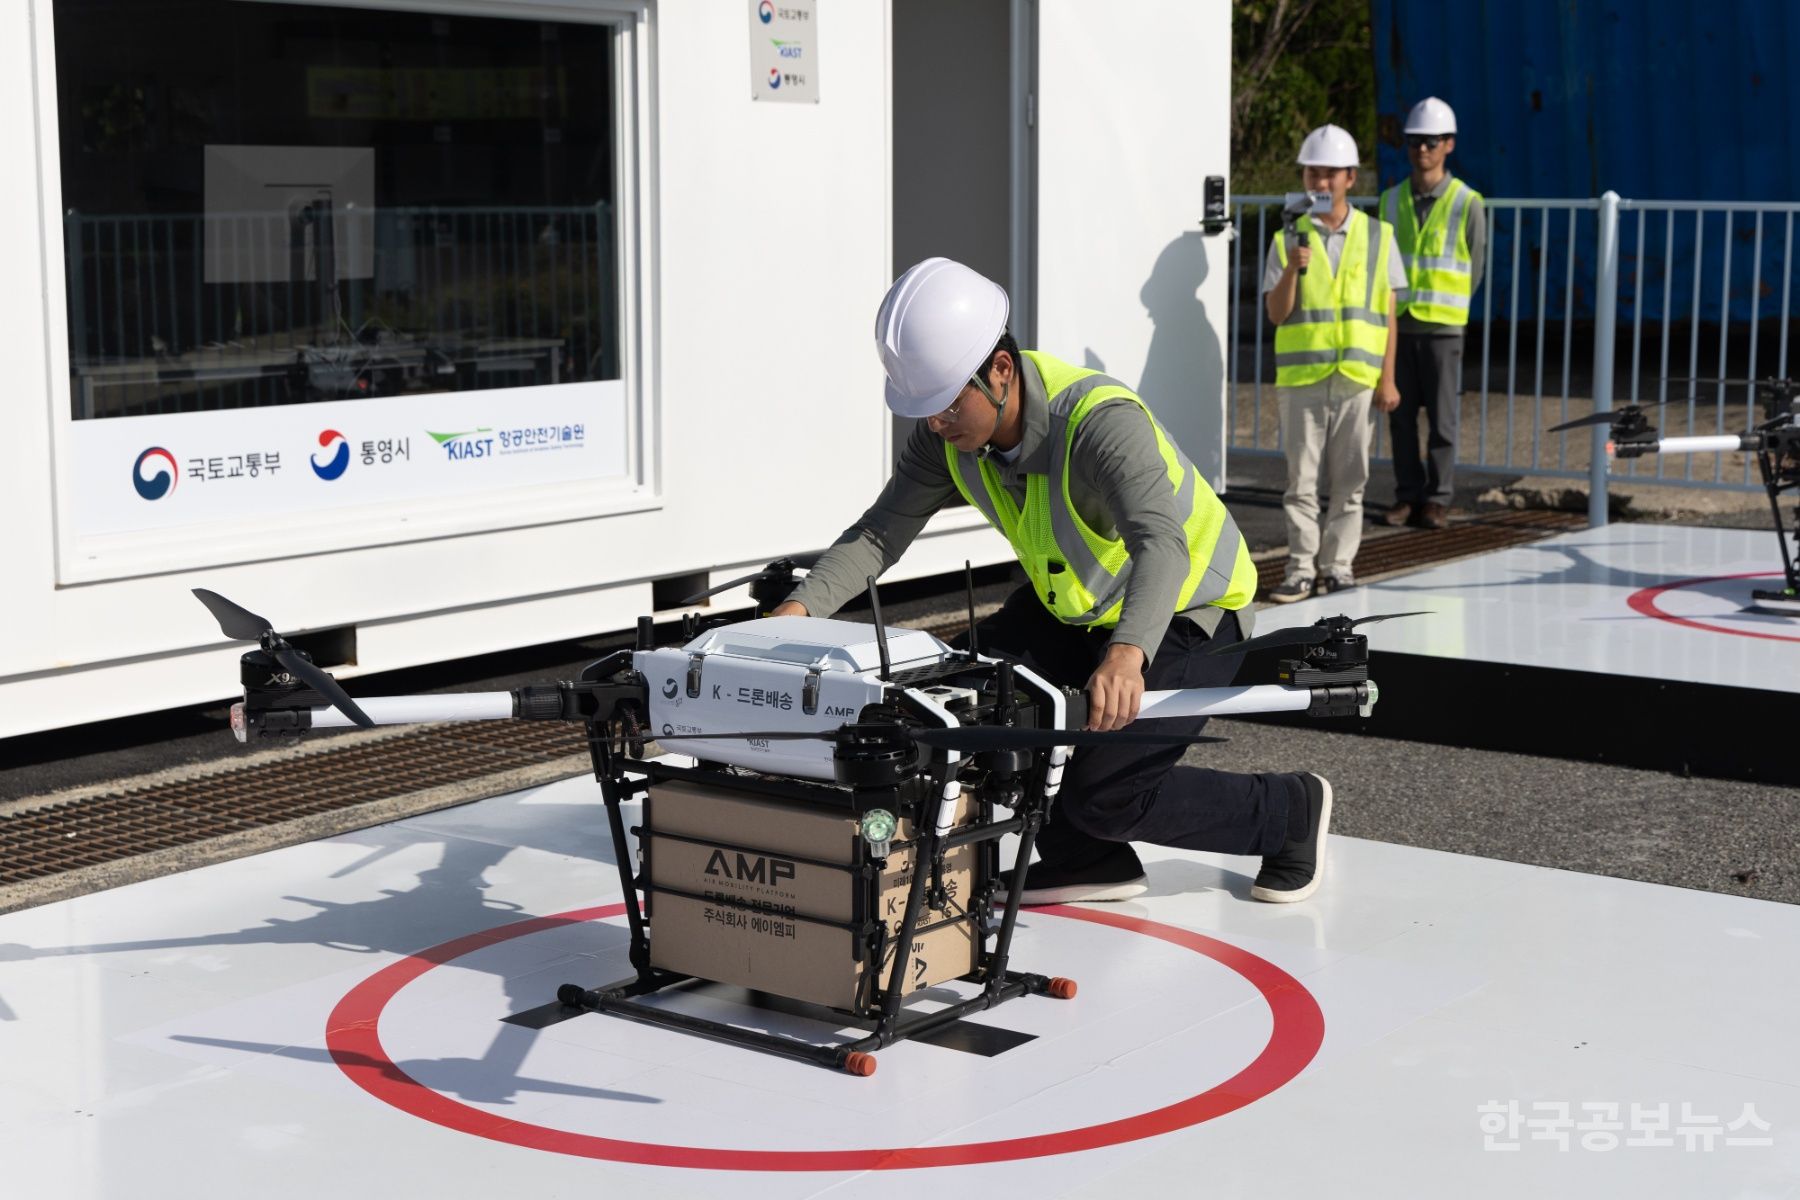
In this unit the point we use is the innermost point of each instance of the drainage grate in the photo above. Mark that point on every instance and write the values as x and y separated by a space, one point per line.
59 837
1422 547
64 837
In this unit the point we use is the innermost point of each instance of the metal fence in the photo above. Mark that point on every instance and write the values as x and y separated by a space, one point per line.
183 312
1583 305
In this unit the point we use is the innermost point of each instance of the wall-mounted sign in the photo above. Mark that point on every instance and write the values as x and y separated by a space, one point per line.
784 50
182 469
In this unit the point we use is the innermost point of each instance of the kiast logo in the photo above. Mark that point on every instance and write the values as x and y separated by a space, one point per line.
155 487
340 458
464 444
766 11
774 78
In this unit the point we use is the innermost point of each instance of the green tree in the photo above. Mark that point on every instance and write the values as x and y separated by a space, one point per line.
1296 65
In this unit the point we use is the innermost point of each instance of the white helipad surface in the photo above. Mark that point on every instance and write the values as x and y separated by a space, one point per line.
1662 601
1428 1024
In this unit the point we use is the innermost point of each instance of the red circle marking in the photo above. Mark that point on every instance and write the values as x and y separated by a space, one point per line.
355 1044
1644 601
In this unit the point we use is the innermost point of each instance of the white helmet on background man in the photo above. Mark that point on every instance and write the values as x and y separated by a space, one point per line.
1431 115
1328 146
937 324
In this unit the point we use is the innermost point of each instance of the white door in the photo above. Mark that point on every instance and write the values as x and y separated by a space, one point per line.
1132 114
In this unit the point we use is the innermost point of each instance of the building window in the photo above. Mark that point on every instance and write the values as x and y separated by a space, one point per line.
272 204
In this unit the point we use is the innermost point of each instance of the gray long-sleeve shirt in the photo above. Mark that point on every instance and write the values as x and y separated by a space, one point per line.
1117 480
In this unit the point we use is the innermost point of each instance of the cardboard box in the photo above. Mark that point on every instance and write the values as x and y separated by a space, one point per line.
745 861
792 957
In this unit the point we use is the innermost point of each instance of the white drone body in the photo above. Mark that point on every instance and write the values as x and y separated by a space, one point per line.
788 674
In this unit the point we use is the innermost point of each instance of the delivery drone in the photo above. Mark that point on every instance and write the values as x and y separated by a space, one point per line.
888 754
1775 442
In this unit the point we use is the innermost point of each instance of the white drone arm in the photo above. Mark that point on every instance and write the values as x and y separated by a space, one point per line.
1721 443
411 710
1059 719
1225 701
946 814
1232 701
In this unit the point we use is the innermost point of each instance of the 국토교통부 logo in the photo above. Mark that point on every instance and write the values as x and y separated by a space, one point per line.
156 486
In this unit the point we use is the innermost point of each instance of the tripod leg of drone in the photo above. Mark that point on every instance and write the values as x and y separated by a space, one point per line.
926 840
1772 484
611 778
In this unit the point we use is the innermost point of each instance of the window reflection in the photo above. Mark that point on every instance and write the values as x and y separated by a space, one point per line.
278 204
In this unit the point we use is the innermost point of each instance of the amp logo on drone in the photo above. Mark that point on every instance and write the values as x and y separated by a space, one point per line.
840 711
750 868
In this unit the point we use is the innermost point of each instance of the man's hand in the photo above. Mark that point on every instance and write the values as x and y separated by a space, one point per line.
789 608
1299 259
1387 396
1116 688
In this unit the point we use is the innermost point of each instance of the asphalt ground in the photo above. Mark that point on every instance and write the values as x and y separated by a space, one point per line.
1715 835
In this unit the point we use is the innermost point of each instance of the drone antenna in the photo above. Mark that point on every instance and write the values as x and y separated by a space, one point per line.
887 667
969 588
646 633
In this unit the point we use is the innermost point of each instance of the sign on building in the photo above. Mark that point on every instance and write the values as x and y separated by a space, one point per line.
784 51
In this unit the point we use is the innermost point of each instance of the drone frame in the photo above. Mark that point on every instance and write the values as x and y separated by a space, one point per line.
1775 443
877 764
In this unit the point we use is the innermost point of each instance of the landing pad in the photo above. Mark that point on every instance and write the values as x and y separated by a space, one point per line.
1636 644
368 1015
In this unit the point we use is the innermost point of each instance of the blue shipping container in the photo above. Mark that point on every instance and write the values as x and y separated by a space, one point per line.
1655 100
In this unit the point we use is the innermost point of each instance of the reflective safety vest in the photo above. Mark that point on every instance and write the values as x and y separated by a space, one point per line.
1340 319
1440 272
1080 575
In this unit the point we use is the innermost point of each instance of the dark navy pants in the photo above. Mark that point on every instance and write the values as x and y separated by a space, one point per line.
1134 792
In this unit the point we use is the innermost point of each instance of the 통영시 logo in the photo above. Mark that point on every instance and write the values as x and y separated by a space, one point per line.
340 458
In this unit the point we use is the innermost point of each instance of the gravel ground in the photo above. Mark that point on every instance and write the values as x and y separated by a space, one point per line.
1716 835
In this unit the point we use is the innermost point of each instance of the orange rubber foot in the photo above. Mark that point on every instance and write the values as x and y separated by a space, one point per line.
1061 988
858 1063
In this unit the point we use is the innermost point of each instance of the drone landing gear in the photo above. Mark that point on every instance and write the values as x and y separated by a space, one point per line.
877 949
1781 601
854 1058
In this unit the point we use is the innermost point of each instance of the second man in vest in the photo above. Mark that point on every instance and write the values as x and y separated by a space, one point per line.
1441 228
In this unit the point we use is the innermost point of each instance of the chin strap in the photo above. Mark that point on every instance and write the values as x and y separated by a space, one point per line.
999 409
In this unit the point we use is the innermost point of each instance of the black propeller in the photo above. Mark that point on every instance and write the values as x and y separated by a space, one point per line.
1613 416
1308 635
1787 386
1631 416
240 624
781 568
977 739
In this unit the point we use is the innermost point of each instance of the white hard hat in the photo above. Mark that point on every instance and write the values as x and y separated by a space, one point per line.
937 325
1328 146
1431 115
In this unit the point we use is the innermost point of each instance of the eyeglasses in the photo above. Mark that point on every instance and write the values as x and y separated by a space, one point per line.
949 415
1424 141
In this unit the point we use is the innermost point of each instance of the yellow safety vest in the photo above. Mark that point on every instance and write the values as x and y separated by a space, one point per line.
1440 272
1340 321
1079 575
